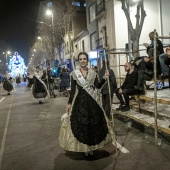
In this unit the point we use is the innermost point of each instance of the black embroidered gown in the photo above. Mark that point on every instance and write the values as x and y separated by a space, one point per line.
88 128
39 89
7 84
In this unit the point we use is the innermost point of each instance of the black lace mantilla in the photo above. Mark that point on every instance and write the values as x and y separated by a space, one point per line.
87 120
39 91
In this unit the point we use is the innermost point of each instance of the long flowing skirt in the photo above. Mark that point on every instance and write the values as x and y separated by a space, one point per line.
7 85
87 127
18 80
39 89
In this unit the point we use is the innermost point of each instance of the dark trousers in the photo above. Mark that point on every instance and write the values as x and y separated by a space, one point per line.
144 75
51 88
106 103
126 93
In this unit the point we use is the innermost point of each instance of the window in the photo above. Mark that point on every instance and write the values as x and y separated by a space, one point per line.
92 12
76 3
49 4
93 41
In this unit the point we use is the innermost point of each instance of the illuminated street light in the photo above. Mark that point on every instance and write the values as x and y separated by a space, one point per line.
39 38
48 12
6 57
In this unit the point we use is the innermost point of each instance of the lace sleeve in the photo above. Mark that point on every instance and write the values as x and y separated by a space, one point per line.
73 89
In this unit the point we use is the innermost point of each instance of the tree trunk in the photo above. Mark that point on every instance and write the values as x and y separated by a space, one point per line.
134 32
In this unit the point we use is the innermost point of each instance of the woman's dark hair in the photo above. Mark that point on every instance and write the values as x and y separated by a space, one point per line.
84 54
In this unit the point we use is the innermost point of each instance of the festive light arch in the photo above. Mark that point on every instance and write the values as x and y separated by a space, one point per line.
17 65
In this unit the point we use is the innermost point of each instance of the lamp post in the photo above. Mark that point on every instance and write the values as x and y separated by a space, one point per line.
39 38
6 57
53 35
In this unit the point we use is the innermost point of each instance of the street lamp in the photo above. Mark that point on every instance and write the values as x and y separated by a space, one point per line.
39 38
6 55
50 13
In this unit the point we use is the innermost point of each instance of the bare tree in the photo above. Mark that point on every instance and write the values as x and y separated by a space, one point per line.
134 32
63 15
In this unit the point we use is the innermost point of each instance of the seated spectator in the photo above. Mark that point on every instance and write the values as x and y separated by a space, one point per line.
150 50
127 88
145 72
164 67
167 62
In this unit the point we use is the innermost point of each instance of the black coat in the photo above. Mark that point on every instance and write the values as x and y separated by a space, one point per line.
112 80
167 62
64 76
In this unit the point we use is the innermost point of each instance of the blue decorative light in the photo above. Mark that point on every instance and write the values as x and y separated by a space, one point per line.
17 65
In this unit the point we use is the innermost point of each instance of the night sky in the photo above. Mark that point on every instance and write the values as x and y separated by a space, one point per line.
17 25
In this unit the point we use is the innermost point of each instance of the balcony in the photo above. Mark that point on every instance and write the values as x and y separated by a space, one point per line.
100 10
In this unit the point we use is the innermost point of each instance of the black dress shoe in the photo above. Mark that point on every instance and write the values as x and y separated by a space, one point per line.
40 102
120 107
125 109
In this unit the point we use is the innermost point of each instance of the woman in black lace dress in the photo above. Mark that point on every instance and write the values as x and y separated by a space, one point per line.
88 127
7 83
39 89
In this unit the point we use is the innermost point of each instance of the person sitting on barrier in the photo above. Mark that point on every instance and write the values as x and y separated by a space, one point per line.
127 88
159 51
145 71
167 62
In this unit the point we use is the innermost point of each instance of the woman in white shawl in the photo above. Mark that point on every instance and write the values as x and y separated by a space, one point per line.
87 127
39 89
7 83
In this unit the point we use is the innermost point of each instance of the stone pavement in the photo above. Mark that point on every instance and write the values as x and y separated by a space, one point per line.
31 141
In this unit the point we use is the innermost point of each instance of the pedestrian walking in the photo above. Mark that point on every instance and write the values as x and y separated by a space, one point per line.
18 79
24 78
50 82
7 83
39 89
30 79
64 84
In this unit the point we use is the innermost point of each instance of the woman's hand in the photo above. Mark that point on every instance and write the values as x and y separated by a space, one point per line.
68 108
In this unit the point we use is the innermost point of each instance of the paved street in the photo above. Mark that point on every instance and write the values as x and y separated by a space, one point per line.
29 140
